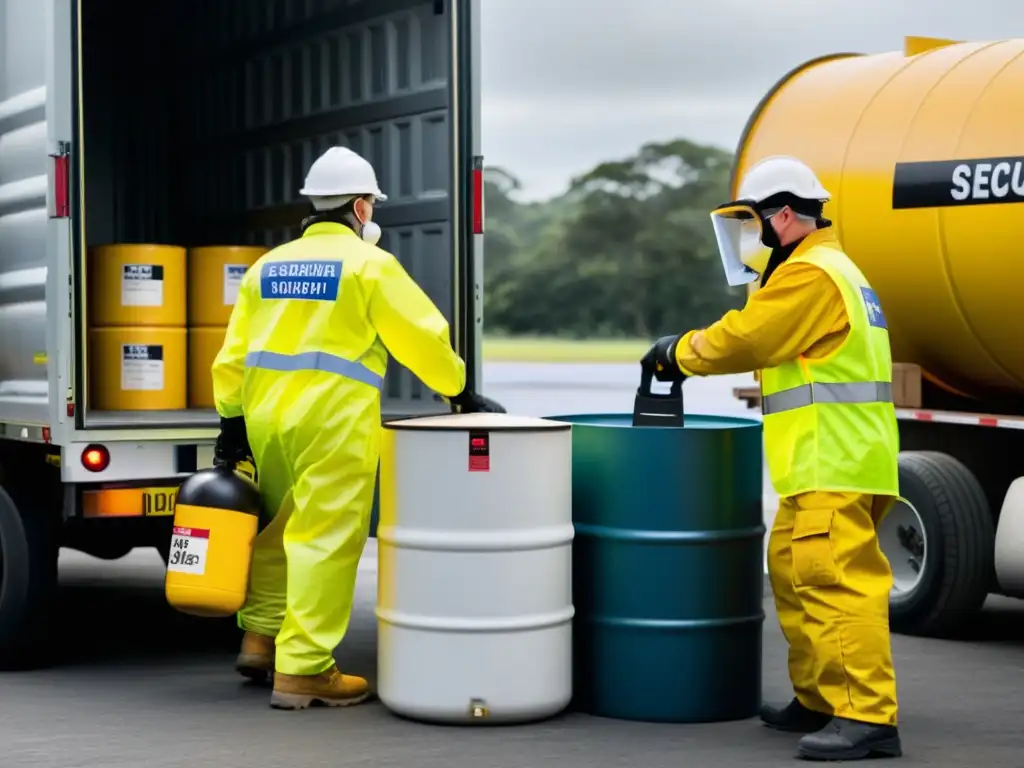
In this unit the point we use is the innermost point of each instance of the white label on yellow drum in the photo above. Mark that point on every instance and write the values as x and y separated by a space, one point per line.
142 367
233 274
142 285
188 550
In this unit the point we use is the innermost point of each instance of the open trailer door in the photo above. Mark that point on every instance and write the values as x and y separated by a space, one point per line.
435 170
469 164
35 128
231 105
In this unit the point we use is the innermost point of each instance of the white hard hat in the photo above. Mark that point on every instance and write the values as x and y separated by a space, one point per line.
781 173
340 173
739 225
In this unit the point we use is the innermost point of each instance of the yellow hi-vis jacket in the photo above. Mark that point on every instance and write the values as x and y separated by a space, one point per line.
829 423
331 303
303 360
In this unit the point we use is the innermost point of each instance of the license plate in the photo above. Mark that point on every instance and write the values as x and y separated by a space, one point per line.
158 502
129 502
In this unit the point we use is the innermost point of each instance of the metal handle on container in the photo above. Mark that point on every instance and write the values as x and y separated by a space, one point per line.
651 409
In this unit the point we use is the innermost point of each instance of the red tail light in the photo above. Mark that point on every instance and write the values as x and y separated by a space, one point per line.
61 186
95 458
478 195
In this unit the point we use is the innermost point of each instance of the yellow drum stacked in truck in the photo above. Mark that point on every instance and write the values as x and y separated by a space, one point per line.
214 276
923 153
137 328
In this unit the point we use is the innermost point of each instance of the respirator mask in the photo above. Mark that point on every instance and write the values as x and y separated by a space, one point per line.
369 232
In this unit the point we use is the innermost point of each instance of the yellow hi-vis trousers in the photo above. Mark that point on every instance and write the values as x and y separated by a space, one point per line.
316 443
831 584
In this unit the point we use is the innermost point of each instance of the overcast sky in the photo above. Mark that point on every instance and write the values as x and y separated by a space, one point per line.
568 83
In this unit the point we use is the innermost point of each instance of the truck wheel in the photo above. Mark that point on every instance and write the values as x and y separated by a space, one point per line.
940 544
28 583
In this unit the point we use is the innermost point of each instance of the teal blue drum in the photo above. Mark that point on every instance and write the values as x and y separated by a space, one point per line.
667 568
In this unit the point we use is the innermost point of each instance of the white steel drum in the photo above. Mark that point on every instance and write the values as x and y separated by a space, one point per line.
474 594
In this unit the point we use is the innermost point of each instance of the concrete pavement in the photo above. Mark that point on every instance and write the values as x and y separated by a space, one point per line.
140 686
144 687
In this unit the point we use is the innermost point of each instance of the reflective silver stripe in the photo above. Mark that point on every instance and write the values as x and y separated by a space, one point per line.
314 361
810 394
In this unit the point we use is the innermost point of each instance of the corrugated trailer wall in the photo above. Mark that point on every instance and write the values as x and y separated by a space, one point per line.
204 139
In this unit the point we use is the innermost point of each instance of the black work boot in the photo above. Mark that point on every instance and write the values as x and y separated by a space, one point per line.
794 718
844 739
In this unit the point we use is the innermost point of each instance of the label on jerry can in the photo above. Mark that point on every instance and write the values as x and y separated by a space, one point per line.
188 550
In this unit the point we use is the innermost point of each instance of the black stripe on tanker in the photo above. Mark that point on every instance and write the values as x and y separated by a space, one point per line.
945 183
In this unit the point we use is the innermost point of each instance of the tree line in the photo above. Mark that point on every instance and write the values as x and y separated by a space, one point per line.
627 251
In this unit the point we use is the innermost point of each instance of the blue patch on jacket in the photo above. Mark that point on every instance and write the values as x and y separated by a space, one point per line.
312 280
876 318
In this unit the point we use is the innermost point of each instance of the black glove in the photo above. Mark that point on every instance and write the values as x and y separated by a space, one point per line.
661 360
468 401
232 442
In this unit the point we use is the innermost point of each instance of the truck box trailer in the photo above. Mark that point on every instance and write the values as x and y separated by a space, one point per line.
923 153
192 123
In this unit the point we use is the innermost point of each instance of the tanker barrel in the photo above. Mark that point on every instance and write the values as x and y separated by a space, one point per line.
924 156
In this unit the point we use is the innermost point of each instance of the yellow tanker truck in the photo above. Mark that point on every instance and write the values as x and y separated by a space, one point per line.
923 152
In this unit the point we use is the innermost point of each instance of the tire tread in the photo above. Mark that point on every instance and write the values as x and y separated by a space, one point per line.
25 637
968 540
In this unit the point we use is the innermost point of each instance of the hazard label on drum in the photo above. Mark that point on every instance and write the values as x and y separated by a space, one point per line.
233 276
142 285
188 550
479 452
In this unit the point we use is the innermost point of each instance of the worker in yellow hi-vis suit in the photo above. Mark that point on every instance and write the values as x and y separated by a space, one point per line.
815 330
299 379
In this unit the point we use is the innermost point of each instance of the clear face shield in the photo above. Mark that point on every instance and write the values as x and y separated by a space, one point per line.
738 234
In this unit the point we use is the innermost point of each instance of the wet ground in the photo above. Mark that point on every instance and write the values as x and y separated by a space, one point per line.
140 686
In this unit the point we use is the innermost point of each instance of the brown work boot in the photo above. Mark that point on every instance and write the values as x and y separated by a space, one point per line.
330 689
256 659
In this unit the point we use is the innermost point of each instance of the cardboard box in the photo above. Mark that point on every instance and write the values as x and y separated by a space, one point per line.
750 395
906 385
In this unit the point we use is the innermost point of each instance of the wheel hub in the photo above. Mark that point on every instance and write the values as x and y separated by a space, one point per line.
905 544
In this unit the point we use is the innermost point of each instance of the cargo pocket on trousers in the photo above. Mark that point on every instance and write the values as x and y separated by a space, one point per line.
813 562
